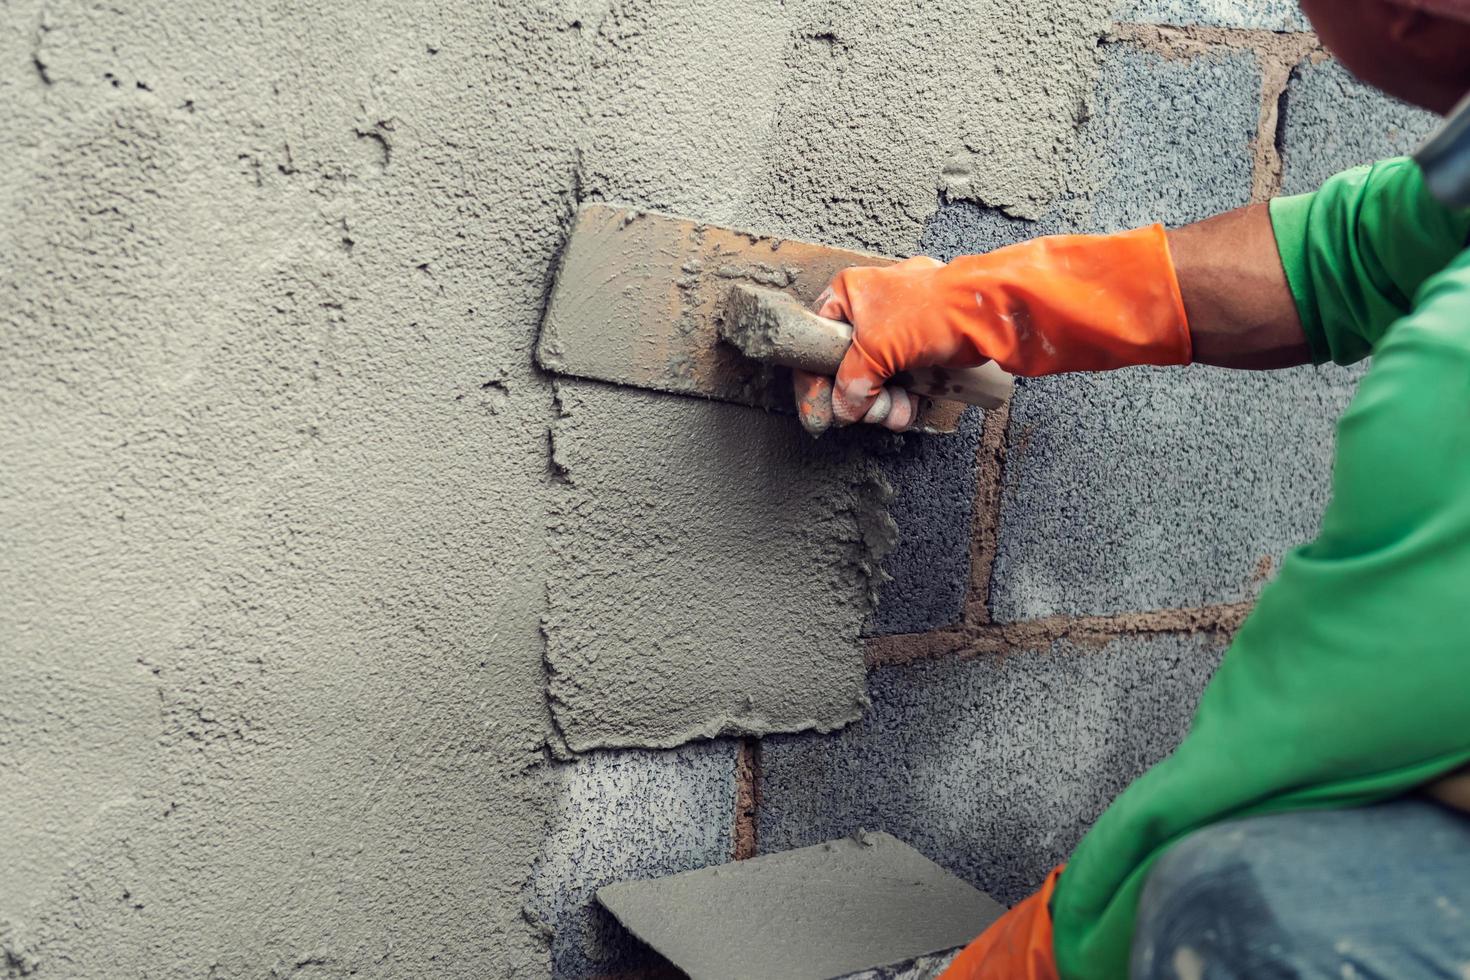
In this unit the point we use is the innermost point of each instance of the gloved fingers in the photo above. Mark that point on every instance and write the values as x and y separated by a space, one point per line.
813 401
832 304
856 388
905 411
894 409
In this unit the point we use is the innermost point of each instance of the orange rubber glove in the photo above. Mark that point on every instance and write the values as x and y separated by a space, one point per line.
1062 303
1016 947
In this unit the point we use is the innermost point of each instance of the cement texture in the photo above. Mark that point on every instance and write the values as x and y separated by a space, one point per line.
1331 121
1171 136
707 578
1271 15
863 901
1165 139
278 478
994 768
275 463
830 120
621 816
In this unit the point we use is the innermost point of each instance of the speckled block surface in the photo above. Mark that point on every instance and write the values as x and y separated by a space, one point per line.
994 768
1331 121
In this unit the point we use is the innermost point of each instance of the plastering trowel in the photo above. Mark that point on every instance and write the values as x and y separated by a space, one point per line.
680 306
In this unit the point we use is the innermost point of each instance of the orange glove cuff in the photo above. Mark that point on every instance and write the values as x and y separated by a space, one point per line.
1072 303
1016 947
1061 303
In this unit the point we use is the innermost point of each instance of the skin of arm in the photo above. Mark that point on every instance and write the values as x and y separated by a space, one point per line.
1240 308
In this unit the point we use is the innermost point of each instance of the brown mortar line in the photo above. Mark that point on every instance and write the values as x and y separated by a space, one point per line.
990 460
1278 52
1037 634
747 799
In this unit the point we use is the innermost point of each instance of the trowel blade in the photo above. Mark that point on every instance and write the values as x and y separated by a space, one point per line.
638 296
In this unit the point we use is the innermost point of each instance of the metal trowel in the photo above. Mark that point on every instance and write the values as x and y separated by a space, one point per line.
685 307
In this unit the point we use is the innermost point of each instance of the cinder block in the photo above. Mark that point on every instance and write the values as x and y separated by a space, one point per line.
1171 136
965 228
994 768
934 486
1142 489
1271 15
1332 122
1160 488
1167 139
626 815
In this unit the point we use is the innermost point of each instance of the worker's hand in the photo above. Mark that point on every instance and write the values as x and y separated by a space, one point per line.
894 408
1017 946
886 308
1061 303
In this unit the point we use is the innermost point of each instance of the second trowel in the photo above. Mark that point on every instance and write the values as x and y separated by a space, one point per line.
689 308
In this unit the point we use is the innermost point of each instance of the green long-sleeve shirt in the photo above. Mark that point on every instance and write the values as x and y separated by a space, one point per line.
1350 681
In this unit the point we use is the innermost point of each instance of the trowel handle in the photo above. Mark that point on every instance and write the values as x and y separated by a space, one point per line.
772 326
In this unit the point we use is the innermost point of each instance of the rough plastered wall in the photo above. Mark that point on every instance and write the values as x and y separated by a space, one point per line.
282 520
292 526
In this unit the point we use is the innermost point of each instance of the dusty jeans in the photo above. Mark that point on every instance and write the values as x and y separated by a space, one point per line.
1377 892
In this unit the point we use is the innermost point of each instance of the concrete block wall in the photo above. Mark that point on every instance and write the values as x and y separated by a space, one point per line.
280 700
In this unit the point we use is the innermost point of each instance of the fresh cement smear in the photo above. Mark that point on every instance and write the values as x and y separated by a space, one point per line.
277 488
711 571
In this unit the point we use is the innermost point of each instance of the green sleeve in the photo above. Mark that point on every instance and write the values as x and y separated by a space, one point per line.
1358 250
1346 685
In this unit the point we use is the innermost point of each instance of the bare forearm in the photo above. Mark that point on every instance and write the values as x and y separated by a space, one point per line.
1241 312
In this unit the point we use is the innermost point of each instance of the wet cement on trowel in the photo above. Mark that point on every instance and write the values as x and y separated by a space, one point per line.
710 573
852 904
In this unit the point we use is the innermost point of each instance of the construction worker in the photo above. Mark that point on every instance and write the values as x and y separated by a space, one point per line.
1316 819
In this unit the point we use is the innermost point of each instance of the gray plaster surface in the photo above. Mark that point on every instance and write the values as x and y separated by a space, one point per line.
1165 139
274 468
1271 15
1331 121
862 901
831 121
831 124
994 768
277 486
933 480
707 578
620 816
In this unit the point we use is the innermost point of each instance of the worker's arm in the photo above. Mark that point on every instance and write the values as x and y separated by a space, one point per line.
1241 313
1346 684
1214 292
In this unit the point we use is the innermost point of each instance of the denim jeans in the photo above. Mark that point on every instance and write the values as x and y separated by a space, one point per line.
1378 892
